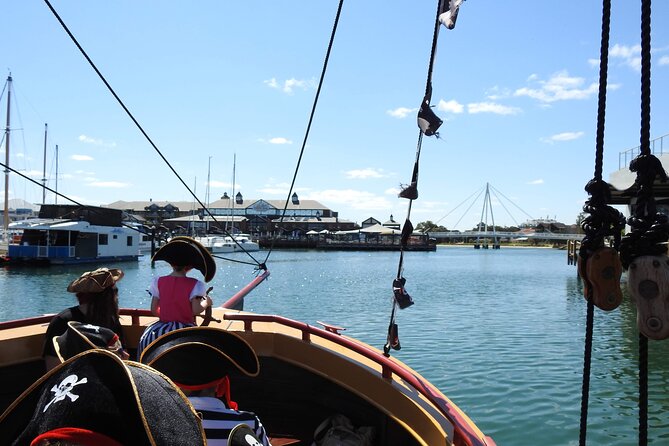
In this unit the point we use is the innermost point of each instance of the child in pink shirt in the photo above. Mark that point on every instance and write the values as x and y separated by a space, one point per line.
176 298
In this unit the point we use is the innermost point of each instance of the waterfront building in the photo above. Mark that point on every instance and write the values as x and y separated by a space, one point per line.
259 217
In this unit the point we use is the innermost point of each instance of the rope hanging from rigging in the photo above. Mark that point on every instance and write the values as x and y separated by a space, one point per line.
644 249
428 123
599 265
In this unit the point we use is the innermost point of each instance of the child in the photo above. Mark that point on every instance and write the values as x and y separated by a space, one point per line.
217 353
176 298
97 295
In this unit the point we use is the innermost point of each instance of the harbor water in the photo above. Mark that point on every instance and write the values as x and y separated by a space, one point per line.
500 332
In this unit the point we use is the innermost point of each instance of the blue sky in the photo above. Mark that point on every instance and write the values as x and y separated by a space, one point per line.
516 86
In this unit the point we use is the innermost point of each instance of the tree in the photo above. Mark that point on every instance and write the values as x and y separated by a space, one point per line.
429 226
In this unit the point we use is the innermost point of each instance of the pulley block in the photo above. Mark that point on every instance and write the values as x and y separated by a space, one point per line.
601 271
648 282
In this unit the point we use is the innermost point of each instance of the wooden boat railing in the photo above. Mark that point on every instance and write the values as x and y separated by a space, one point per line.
465 433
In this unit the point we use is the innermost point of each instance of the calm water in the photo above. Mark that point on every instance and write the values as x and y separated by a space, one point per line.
499 332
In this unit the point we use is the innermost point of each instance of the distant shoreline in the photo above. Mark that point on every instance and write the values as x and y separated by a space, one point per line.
471 245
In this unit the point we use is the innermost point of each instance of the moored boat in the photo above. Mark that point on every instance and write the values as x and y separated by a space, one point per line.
220 244
70 234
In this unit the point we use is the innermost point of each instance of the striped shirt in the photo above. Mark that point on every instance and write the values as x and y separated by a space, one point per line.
218 420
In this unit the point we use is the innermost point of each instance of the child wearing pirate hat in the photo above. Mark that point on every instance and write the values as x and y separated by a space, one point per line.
198 360
97 295
176 298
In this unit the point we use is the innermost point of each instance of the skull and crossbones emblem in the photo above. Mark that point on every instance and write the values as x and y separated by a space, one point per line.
64 389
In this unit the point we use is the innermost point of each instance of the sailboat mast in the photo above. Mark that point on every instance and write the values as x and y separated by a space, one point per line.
233 198
206 195
44 167
9 100
56 189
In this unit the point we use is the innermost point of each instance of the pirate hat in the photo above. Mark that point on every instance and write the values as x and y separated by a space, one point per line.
216 352
80 337
95 281
95 398
184 251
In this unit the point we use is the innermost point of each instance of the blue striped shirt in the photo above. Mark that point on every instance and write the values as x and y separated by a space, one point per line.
218 420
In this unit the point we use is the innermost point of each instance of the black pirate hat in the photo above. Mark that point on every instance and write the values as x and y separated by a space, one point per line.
184 251
95 398
80 337
216 352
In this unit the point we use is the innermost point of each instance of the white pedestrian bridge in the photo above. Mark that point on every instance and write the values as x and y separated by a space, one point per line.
504 235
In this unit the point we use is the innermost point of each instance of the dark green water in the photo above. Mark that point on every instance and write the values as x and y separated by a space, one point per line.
499 332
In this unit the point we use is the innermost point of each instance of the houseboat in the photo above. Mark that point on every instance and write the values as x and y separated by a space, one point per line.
69 234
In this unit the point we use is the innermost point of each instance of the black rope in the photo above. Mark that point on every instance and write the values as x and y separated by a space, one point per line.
645 76
603 220
137 124
587 355
62 196
400 297
645 151
650 229
643 390
311 118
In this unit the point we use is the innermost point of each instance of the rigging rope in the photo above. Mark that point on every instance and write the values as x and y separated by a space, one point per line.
428 124
603 221
61 195
141 129
650 229
311 118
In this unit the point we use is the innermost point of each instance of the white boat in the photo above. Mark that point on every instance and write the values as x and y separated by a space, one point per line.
244 242
225 244
217 244
67 234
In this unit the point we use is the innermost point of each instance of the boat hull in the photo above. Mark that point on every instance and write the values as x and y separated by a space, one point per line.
306 375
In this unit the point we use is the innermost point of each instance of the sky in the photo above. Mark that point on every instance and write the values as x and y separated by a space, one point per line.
516 87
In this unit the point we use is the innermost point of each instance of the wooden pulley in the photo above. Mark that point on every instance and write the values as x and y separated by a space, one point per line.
648 282
601 271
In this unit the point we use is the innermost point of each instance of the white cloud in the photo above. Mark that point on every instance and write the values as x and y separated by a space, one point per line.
560 87
664 60
33 173
280 140
392 191
272 83
110 184
629 55
539 181
221 185
362 174
496 93
491 107
565 136
289 85
96 142
355 199
81 158
279 189
401 112
451 106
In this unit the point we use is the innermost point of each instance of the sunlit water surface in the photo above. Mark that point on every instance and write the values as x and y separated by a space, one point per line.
499 332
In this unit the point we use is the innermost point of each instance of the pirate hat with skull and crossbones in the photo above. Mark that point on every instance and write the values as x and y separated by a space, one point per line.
96 398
